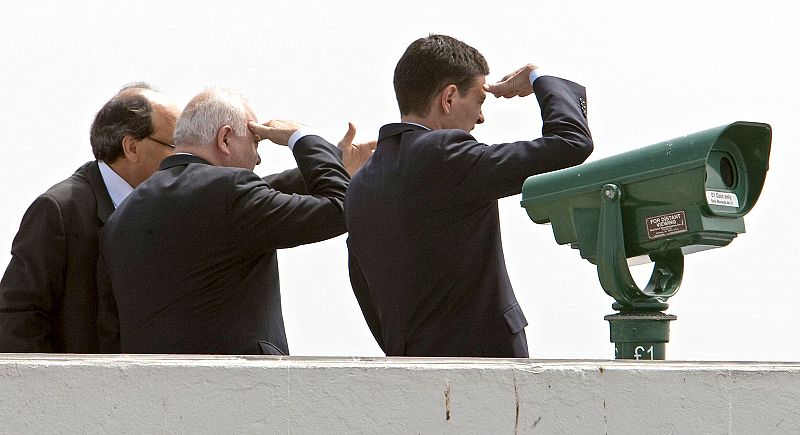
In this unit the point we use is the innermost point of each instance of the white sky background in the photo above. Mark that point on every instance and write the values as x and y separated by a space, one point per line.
654 71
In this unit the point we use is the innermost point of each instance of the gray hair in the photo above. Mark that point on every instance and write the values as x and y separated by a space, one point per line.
209 111
144 86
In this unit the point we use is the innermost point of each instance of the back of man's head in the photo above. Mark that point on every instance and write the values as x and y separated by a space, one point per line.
129 112
429 65
206 113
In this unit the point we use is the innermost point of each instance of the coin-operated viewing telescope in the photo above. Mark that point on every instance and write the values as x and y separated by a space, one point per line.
655 203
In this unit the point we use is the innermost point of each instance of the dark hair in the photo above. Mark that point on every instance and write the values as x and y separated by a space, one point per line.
428 65
125 114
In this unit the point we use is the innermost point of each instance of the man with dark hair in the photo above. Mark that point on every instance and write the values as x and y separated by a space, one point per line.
430 64
426 259
48 295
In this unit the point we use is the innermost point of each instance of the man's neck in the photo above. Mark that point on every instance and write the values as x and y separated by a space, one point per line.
427 122
199 151
124 169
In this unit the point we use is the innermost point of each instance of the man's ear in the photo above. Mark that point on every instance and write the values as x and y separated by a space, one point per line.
222 140
446 98
130 148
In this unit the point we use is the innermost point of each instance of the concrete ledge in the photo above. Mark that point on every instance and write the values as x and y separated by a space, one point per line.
216 394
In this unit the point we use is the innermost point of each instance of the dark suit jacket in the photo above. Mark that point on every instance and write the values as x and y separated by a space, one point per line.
290 181
190 255
48 294
426 259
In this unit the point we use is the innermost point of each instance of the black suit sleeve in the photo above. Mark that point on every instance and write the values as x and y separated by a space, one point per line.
33 282
289 181
361 290
268 218
482 172
107 315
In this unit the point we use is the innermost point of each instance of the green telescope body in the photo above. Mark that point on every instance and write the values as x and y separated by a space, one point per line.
688 193
655 203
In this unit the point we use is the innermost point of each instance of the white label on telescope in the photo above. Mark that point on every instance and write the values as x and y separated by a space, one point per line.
725 199
666 225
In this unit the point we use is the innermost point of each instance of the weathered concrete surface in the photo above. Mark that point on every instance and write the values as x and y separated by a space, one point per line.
209 394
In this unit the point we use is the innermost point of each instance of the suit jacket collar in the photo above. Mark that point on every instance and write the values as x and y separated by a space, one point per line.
181 160
104 205
397 128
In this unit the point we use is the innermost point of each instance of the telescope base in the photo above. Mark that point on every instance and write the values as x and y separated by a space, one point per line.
640 335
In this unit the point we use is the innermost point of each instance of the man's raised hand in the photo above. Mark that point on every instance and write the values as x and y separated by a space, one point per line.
275 130
354 155
516 84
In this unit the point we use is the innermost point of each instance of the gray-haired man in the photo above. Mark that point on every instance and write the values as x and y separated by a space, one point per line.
188 263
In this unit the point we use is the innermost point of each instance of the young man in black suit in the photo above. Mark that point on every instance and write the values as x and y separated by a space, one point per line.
426 259
48 295
188 263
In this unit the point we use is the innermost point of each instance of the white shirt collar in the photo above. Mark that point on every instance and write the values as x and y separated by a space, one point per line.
118 189
418 125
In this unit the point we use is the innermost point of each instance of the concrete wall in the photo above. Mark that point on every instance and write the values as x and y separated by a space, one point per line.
147 394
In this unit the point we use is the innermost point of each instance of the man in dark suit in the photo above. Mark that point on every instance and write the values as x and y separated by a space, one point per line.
188 263
426 260
48 295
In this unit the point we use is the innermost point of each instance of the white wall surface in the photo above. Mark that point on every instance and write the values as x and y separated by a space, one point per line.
203 394
653 70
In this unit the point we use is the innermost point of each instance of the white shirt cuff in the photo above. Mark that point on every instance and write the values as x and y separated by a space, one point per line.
297 135
535 74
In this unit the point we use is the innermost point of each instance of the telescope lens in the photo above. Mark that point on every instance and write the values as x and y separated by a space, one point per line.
727 172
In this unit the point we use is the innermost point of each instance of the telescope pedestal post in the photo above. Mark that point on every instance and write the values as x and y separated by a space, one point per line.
640 335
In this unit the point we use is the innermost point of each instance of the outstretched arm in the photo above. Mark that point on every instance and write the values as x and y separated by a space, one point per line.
483 172
270 219
353 155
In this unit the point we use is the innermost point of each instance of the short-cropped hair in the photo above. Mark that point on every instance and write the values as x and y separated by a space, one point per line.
207 113
429 65
125 114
